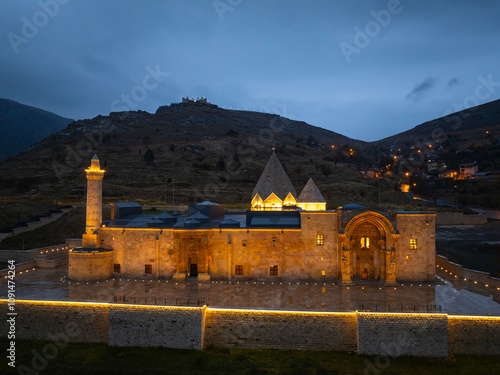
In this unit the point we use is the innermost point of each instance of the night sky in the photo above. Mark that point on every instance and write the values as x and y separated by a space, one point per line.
365 69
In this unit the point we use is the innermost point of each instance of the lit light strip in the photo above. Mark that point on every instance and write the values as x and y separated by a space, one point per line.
474 317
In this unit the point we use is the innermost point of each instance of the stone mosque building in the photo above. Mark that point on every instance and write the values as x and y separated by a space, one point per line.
284 236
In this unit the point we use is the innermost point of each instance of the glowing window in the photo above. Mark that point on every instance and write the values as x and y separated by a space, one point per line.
116 267
238 269
273 271
320 240
148 268
413 244
365 242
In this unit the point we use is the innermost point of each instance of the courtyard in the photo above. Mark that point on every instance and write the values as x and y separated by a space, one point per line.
441 296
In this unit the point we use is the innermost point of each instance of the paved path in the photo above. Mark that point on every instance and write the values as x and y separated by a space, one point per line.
52 284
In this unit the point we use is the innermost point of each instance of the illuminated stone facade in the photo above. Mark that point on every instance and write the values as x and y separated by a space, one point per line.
281 238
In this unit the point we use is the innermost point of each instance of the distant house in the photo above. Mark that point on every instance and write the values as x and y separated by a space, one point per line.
468 170
434 163
371 173
450 173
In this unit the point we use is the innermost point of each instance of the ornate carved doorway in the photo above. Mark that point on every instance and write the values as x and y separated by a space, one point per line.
367 260
192 261
368 243
193 254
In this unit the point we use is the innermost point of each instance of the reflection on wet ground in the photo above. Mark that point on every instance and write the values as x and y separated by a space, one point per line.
441 296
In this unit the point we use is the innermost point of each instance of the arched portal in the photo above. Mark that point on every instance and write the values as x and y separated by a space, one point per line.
368 248
368 262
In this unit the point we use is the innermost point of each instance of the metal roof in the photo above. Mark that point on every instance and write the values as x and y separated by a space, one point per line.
126 204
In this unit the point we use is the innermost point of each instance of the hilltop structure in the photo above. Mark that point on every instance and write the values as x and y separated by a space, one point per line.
282 237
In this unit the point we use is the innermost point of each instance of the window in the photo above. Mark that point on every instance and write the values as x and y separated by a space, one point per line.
238 269
413 244
320 240
148 268
116 267
273 271
365 242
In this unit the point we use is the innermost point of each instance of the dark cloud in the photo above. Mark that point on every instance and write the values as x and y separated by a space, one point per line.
421 89
452 82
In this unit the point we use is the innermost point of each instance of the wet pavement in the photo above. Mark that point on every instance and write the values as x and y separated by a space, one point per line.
473 246
441 296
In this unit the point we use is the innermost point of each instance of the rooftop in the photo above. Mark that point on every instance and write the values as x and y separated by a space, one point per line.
274 180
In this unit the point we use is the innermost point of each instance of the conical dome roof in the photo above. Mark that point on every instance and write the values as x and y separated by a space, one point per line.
274 180
311 193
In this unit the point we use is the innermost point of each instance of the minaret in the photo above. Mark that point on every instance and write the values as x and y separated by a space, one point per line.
94 203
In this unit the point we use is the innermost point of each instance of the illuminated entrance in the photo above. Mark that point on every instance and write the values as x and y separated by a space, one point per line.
368 247
368 261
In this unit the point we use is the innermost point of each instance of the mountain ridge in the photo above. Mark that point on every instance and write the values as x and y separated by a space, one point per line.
23 125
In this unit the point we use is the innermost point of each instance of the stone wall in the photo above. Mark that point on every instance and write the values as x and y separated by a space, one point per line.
423 335
20 267
473 335
19 256
171 327
477 279
280 330
419 264
196 328
134 248
294 251
87 266
47 320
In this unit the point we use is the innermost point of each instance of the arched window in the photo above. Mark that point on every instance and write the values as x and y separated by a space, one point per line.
365 243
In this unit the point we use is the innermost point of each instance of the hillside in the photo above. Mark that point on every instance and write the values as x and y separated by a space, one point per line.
22 125
212 153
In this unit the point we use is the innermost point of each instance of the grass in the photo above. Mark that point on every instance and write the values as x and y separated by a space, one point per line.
11 212
76 359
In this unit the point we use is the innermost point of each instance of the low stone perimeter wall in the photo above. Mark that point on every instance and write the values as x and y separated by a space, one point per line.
281 329
423 335
198 327
171 327
473 335
455 272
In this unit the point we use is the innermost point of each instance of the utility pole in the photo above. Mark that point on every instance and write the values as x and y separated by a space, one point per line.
165 189
173 192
